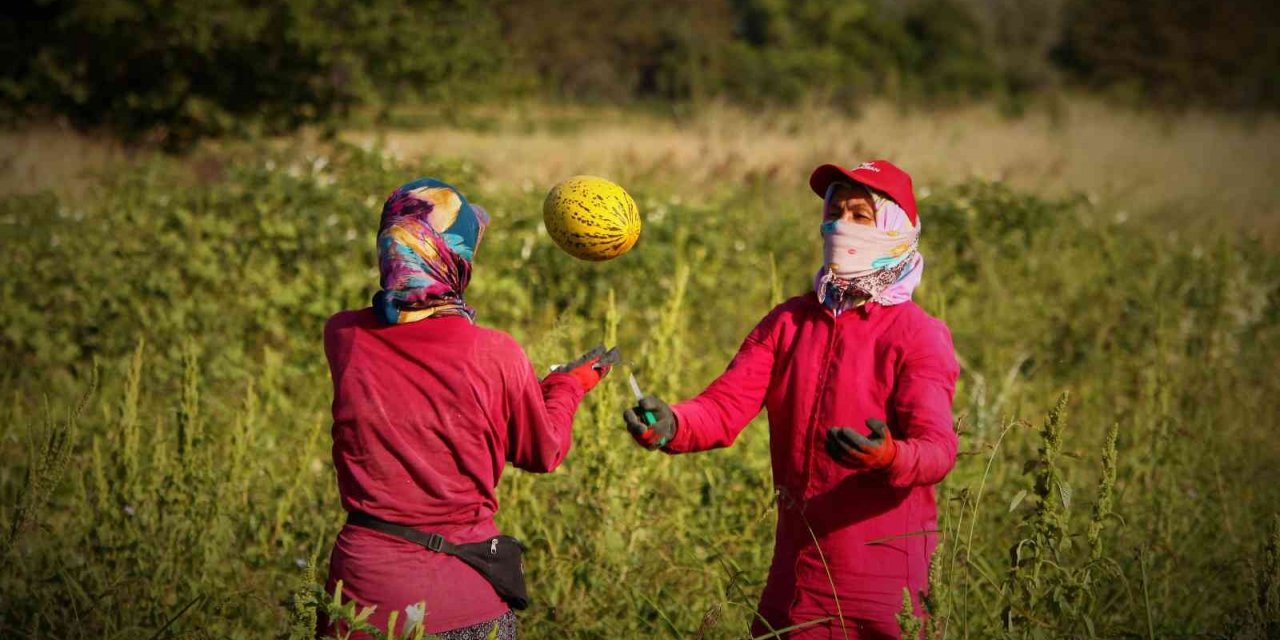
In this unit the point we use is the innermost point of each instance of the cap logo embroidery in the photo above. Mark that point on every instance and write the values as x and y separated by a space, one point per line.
869 166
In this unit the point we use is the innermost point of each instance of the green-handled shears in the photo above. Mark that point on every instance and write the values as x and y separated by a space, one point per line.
647 417
644 414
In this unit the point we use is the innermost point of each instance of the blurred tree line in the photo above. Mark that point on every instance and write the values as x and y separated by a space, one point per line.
173 71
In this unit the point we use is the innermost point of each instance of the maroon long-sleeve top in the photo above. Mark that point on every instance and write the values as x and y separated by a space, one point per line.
425 417
848 541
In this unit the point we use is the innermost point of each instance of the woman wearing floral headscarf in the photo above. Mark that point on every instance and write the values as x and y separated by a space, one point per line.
858 382
428 408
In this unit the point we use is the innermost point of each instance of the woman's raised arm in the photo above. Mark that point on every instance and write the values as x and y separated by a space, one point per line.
714 418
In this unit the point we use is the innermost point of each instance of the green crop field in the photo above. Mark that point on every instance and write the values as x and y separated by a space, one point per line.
164 421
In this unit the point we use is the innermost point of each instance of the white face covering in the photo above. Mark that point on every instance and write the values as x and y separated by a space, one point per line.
861 262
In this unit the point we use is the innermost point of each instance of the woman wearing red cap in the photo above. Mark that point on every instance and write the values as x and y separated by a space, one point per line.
428 408
858 382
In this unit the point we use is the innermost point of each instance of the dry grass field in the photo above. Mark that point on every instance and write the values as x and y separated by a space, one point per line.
1195 168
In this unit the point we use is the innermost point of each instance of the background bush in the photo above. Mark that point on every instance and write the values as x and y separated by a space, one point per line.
1180 53
174 72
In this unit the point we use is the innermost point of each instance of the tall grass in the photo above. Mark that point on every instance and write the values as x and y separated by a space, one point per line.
192 494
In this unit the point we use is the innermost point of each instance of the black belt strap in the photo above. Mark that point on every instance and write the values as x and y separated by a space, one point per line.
432 541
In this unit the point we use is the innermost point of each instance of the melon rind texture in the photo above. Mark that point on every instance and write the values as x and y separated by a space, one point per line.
591 218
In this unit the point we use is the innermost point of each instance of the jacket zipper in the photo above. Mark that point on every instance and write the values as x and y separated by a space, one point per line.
823 378
809 436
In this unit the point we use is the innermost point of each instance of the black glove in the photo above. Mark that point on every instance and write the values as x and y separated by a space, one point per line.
655 435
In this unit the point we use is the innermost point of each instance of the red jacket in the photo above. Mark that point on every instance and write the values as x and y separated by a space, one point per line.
425 417
875 530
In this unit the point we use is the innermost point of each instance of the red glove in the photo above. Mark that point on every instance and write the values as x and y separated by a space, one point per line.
592 367
857 451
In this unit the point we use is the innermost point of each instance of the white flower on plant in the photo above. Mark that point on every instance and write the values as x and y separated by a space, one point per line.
413 615
129 510
300 563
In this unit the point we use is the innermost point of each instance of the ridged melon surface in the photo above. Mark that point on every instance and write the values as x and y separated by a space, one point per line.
591 218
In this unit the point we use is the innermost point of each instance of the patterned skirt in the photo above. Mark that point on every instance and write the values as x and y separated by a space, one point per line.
506 624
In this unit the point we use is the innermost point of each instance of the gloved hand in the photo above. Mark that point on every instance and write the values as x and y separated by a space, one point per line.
591 367
651 436
857 451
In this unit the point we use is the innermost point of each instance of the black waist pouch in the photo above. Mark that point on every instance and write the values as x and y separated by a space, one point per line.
498 559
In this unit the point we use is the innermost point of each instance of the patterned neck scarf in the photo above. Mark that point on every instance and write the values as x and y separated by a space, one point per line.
426 242
881 264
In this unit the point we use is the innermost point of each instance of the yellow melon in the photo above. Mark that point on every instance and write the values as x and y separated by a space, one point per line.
591 218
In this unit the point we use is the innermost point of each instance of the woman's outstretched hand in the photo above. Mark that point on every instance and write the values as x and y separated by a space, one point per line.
651 423
857 451
591 367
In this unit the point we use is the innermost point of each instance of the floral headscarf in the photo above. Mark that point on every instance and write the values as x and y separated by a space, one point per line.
426 243
881 264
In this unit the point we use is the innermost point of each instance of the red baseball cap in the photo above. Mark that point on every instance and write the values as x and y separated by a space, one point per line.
880 175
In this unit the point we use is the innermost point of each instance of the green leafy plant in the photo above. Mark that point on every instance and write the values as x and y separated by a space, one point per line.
192 493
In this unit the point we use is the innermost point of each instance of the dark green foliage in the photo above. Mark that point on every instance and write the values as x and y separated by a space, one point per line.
620 50
839 51
846 52
173 72
949 54
1191 52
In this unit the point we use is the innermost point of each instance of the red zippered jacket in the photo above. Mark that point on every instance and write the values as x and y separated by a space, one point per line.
425 416
875 530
